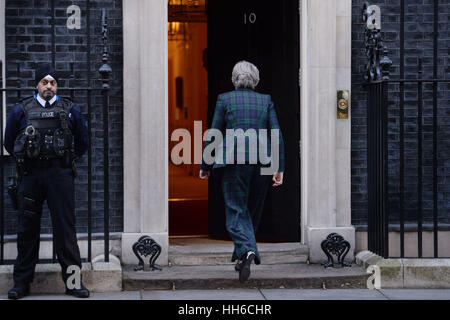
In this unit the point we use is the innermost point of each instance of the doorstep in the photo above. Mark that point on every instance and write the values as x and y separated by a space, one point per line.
284 276
198 251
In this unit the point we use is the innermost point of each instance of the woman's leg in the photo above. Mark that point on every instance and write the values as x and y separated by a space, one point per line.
258 192
236 186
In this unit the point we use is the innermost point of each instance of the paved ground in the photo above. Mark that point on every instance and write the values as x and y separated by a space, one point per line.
264 294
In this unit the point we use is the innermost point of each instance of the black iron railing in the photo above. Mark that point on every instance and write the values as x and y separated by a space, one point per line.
379 102
104 71
376 75
421 156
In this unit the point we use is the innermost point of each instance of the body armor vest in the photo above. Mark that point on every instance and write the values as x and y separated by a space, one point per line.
47 134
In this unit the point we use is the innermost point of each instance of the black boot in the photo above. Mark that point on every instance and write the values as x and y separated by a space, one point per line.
244 272
83 292
19 291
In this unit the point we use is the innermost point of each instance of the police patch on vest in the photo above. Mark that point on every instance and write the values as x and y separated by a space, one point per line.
48 114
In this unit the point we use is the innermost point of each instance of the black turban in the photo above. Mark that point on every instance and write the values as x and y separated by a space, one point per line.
43 71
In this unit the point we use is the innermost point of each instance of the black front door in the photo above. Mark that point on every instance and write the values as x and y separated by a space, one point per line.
265 33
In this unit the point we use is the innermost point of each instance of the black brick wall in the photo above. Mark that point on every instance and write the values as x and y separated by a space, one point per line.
419 26
28 34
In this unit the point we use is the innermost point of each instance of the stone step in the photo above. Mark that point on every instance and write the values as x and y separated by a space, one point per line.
220 254
288 276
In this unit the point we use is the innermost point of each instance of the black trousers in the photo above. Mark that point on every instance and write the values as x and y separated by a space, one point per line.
56 185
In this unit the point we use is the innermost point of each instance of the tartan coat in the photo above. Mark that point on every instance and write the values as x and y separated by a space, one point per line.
244 109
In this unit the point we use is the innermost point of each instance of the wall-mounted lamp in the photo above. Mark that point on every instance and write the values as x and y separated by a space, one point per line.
173 28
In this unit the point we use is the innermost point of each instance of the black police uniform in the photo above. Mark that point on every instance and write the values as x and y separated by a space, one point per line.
45 140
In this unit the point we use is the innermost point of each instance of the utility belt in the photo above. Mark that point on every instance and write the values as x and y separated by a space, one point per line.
41 163
44 163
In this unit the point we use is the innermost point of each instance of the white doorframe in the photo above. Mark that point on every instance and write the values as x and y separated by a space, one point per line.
303 124
2 58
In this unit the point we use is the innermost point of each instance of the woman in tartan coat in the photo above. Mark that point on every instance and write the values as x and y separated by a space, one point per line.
244 187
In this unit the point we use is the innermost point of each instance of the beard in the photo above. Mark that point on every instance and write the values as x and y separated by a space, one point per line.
47 95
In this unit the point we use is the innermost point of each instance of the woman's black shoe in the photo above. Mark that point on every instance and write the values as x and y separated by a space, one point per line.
244 272
18 292
78 293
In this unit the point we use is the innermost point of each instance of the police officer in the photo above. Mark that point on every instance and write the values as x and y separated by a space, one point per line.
45 133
